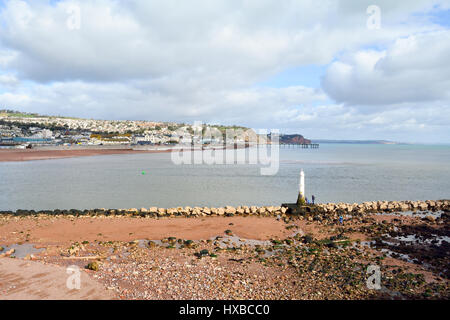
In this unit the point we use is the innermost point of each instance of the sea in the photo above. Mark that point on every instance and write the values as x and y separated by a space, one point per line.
333 173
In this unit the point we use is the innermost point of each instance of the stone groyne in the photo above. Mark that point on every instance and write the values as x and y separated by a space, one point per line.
324 209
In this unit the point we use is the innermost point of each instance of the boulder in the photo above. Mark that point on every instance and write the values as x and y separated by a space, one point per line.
153 210
133 211
404 206
172 211
230 210
423 206
382 205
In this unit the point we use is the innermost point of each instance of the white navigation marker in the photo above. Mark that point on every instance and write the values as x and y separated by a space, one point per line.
302 184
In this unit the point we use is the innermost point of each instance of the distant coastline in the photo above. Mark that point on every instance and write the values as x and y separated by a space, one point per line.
356 141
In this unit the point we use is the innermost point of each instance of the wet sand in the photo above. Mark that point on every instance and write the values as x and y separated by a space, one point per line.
30 280
7 155
67 230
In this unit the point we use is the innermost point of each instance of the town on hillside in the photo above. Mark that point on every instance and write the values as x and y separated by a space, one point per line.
26 130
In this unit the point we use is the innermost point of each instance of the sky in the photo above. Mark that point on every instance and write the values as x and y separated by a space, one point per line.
329 69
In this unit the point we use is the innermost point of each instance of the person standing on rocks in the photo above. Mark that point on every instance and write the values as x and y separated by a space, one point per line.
313 199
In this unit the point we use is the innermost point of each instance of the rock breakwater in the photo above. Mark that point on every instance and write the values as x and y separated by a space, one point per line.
322 209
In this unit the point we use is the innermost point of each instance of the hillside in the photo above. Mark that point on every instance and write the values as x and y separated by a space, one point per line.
293 139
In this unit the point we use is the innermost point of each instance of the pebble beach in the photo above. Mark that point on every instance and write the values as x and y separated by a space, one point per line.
236 255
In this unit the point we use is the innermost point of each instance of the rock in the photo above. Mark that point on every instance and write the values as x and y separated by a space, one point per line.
153 210
230 210
133 211
188 210
382 205
172 240
203 253
93 266
172 211
404 207
423 206
189 243
73 250
391 205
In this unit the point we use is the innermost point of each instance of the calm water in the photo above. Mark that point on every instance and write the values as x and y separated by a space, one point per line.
334 173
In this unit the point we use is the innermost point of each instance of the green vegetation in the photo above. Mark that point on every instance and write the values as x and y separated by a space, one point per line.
202 253
300 200
93 266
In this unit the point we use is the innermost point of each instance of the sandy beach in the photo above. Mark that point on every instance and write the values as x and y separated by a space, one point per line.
44 154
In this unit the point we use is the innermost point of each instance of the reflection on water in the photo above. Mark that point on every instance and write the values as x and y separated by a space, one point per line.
21 250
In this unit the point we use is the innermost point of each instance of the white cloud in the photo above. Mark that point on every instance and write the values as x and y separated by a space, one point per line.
200 60
412 69
143 100
143 39
8 80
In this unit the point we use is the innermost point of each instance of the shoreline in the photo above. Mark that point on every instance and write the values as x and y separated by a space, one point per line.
50 153
19 155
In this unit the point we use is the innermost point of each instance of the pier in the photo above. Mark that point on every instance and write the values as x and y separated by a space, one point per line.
300 145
